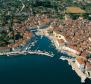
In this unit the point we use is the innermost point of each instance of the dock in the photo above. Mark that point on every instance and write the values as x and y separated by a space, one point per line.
28 52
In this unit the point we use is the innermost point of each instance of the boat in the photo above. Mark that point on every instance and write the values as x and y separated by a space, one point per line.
63 58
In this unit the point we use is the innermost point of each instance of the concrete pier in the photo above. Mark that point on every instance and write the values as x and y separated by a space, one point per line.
27 52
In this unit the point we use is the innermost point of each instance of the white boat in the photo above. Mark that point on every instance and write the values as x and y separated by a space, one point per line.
41 36
7 54
63 58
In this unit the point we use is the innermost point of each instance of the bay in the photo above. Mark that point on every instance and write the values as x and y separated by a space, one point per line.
37 69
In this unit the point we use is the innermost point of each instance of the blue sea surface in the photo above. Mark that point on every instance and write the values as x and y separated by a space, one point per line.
37 69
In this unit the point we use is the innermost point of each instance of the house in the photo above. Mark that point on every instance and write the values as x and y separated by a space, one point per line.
81 62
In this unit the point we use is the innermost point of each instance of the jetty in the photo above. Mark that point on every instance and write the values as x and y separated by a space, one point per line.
28 52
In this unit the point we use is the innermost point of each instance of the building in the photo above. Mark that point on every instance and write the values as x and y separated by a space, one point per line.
81 62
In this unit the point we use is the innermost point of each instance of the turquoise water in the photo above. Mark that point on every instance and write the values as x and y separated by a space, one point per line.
37 69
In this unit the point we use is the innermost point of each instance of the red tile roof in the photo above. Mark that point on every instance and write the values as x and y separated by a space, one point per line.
81 60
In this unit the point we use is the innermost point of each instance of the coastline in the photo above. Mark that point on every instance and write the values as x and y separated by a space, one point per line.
72 64
43 32
75 68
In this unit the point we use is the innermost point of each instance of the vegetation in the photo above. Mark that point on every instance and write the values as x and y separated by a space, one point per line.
89 56
22 9
77 15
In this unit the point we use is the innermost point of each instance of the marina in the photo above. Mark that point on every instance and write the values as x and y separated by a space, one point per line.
61 67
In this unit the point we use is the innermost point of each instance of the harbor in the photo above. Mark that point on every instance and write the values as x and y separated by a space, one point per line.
45 41
57 40
63 67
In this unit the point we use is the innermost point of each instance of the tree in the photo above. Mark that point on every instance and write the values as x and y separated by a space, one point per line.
89 56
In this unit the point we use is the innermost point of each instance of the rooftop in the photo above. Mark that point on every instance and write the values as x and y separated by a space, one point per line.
77 33
81 60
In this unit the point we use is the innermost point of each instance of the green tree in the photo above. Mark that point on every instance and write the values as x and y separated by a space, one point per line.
89 56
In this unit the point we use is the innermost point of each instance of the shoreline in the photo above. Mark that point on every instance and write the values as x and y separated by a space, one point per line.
43 32
76 69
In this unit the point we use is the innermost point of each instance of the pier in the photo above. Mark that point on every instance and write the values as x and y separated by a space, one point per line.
28 52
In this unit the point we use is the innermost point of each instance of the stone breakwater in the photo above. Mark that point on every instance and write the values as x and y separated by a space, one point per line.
28 52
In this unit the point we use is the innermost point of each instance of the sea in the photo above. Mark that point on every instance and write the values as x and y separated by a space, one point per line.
38 69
